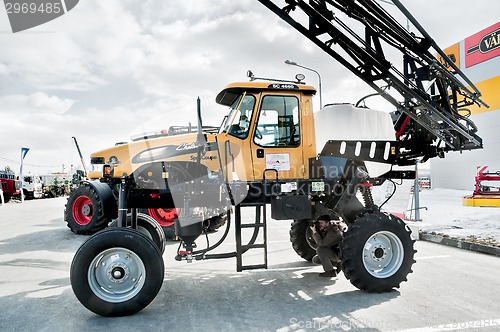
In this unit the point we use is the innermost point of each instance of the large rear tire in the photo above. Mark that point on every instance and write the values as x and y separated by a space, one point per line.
117 272
377 252
6 197
164 217
301 238
84 212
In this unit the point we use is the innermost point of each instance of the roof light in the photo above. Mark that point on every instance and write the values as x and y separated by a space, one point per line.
300 77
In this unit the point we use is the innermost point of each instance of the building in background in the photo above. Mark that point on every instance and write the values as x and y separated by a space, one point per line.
478 56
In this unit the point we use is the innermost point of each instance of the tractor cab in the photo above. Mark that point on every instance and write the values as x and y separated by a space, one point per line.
269 126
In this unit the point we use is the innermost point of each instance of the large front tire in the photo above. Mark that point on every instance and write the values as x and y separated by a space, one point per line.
117 272
302 241
84 212
377 252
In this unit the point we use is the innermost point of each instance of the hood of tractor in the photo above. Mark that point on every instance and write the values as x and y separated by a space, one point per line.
126 158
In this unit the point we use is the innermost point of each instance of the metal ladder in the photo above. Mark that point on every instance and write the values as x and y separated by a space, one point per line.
260 215
260 223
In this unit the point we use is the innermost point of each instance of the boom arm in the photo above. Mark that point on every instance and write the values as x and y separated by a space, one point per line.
429 122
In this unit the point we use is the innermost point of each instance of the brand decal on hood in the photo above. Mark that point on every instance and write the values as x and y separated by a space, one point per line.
187 146
169 151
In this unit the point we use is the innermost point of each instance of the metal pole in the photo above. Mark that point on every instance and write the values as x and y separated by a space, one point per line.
416 194
21 177
237 235
81 156
293 63
122 203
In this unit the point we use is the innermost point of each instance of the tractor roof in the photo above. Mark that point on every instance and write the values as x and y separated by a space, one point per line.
229 94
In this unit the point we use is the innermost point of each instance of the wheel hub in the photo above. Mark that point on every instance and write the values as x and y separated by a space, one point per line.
82 210
116 275
379 253
87 210
165 217
383 254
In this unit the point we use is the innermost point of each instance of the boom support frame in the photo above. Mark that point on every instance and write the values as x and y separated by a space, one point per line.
429 122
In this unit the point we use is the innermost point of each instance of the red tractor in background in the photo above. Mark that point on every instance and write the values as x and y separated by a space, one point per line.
10 186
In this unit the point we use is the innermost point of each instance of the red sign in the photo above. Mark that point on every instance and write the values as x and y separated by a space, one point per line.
482 46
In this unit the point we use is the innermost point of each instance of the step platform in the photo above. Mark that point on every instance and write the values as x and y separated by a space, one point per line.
481 200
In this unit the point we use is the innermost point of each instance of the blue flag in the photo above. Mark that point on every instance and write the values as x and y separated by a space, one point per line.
24 151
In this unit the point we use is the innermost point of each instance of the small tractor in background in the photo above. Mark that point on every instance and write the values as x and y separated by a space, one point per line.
486 189
272 149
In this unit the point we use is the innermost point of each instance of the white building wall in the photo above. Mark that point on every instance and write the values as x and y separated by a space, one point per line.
457 170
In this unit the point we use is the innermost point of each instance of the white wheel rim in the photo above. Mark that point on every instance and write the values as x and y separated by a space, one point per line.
116 275
383 254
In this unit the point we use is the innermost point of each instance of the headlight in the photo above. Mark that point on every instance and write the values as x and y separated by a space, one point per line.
97 167
113 160
96 164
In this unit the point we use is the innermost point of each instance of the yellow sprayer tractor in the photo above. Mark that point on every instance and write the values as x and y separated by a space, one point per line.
273 150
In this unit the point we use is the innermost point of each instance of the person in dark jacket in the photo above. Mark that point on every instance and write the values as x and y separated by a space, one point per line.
326 237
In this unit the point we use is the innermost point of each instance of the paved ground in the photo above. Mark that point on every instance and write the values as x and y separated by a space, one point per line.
450 289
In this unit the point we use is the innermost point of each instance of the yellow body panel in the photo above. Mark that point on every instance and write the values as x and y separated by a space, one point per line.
135 154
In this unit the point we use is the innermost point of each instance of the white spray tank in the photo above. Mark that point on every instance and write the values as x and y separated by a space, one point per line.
350 123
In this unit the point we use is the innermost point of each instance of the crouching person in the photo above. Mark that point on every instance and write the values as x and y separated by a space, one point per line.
327 237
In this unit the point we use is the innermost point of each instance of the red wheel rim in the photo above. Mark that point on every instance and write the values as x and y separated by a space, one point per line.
82 210
165 217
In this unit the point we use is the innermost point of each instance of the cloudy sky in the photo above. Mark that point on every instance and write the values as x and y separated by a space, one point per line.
109 69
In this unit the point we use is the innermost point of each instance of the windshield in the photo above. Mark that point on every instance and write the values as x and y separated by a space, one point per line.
237 122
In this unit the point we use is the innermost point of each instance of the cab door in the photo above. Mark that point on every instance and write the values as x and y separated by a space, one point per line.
276 142
234 140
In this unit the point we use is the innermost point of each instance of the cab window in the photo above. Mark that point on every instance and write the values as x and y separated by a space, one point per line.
237 122
278 123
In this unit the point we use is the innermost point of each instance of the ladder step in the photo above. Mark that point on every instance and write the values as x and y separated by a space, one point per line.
254 267
253 246
252 225
252 204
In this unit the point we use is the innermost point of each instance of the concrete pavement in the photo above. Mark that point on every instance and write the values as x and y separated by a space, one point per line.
450 289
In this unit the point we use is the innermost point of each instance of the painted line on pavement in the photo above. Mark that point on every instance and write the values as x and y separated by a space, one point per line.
432 257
